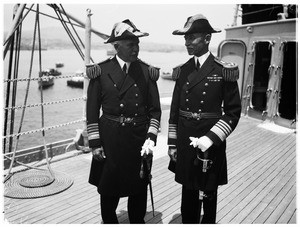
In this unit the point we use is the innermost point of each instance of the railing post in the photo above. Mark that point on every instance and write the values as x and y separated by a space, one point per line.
86 80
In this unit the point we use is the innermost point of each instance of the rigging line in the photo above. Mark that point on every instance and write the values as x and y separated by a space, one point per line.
44 103
23 164
12 40
25 101
39 78
68 32
41 92
71 25
52 17
46 128
78 37
15 84
19 23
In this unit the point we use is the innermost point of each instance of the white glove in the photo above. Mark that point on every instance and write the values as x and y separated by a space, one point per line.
148 147
203 143
172 152
98 153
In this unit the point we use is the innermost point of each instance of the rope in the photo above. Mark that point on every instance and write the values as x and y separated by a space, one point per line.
44 103
25 101
39 78
11 54
14 86
17 26
72 26
55 7
46 128
42 100
29 79
74 30
52 17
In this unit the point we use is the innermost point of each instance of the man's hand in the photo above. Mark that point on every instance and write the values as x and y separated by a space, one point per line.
203 143
148 147
98 153
172 152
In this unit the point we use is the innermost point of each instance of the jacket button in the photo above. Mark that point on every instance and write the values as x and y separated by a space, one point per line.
121 105
201 101
204 93
206 84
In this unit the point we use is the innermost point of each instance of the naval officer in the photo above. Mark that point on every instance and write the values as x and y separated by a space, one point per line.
125 88
205 109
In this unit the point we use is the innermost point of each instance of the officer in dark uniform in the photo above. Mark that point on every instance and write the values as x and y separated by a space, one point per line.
125 89
205 109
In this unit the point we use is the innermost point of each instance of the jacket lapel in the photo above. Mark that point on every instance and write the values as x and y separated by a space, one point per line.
116 74
131 78
197 76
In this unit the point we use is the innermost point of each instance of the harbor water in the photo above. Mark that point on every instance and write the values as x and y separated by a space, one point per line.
61 113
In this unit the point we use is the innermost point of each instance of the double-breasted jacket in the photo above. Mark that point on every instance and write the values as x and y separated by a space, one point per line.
123 110
206 102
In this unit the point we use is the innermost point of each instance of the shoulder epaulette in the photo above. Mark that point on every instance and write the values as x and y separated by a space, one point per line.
230 70
93 70
153 71
176 72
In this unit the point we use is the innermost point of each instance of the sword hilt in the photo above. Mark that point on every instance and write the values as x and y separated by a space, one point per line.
206 163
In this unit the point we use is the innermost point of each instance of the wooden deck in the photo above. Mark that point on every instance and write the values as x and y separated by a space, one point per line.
261 188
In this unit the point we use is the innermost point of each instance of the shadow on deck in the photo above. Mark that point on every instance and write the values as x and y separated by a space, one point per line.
261 188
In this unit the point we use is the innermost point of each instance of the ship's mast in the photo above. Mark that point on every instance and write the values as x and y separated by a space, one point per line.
235 16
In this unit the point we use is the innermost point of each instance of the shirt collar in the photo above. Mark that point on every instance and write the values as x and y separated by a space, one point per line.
202 58
121 63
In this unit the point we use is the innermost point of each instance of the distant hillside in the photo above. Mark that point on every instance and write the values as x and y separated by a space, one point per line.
57 38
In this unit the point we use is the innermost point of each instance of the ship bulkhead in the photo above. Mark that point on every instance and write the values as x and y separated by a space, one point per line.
266 53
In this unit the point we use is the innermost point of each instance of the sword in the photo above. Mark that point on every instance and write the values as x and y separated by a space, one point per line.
206 164
146 172
205 167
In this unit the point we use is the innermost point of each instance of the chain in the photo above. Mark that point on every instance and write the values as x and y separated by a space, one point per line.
44 129
40 78
45 103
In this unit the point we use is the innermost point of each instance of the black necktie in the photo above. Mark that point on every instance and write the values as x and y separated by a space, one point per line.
198 64
125 68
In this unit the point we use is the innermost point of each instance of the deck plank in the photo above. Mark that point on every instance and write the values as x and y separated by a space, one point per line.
261 188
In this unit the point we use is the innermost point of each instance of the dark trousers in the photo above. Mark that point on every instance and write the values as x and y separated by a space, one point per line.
191 207
137 205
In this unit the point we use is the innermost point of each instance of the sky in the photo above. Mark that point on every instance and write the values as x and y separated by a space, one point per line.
158 18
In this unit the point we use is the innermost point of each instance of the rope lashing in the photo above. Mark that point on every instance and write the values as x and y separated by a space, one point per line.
44 103
39 78
44 129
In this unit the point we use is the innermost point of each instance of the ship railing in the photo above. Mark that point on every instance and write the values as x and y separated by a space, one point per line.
13 34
